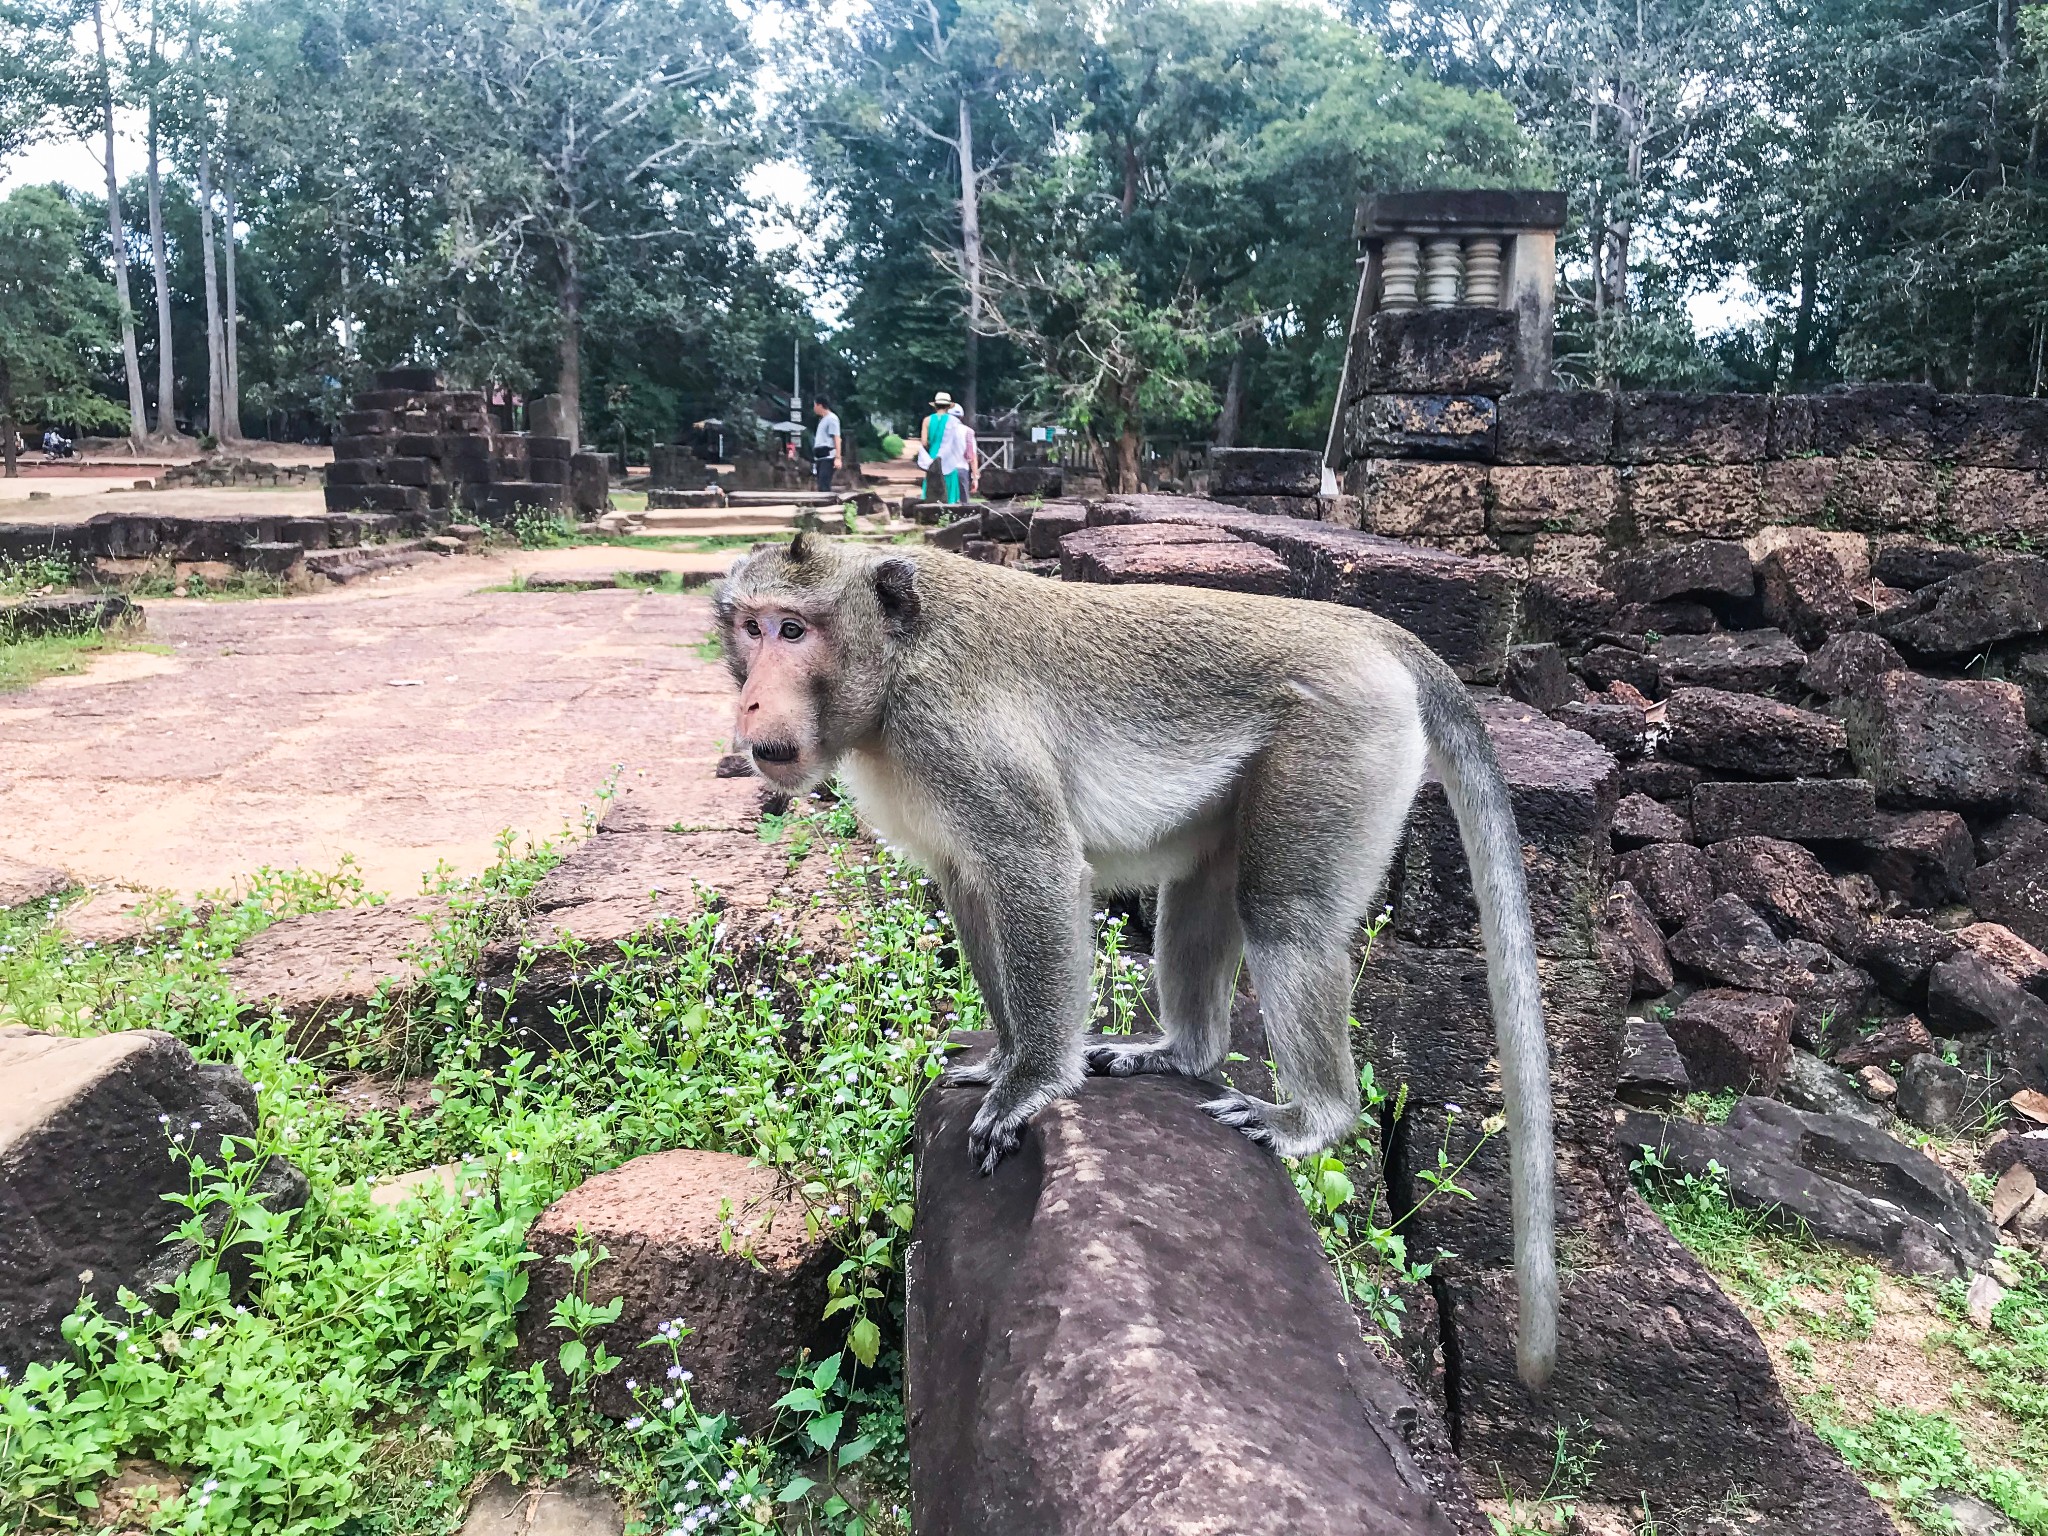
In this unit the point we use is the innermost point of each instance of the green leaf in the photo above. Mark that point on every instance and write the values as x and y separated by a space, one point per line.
795 1489
856 1449
902 1215
824 1429
826 1373
865 1340
572 1355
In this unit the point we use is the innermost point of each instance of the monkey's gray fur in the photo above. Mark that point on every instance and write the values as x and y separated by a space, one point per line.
1254 758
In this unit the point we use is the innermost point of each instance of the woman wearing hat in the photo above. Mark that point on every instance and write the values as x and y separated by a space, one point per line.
944 440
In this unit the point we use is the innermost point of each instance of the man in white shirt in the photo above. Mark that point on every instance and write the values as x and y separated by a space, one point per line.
827 446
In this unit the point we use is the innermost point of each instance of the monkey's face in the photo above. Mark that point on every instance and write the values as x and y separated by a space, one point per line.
785 659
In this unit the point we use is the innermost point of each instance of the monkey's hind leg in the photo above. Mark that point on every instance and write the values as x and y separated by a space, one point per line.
1304 880
1197 944
1303 991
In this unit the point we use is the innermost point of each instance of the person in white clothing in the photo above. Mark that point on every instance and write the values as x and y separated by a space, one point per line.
828 449
973 449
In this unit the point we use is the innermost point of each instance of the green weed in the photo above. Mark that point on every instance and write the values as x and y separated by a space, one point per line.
24 663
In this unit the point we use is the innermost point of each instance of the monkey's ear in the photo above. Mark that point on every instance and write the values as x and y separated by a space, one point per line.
800 547
896 590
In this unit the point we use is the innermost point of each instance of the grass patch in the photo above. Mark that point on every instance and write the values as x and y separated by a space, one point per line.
364 1383
1891 1373
30 574
24 663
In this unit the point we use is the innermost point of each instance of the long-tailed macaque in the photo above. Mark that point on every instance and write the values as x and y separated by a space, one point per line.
1253 758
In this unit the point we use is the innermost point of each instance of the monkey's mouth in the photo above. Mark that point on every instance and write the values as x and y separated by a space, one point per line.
779 762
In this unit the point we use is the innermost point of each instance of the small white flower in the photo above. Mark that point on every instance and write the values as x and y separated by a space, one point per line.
687 1376
209 1485
675 1371
635 1422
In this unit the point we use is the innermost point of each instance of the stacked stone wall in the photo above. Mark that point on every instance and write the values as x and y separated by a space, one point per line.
1434 445
415 447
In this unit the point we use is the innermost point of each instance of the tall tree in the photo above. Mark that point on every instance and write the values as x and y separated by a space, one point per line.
166 371
117 238
914 128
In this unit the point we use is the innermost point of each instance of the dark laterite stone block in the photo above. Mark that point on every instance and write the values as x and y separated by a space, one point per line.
1556 426
1460 351
1421 426
1660 426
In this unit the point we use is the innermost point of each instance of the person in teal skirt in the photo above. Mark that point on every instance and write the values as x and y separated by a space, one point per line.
943 440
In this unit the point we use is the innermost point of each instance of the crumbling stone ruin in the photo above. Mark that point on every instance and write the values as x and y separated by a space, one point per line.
1768 678
414 447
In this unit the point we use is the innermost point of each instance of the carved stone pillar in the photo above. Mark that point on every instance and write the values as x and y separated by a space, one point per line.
1443 270
1482 271
1400 270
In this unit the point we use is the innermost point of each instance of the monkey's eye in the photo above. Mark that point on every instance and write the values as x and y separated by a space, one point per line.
791 630
753 629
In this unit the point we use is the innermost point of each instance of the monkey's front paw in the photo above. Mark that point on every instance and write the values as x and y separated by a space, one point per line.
972 1074
991 1140
1244 1113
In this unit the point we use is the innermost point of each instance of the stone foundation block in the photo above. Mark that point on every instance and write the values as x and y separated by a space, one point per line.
1886 495
1884 421
1922 741
1802 810
1538 498
1666 1373
1407 499
1564 794
1714 501
86 1139
713 1239
1734 1039
2003 431
1421 426
1798 491
1758 738
1265 472
2003 505
321 967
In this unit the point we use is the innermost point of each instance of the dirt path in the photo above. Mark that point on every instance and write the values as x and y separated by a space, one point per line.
404 720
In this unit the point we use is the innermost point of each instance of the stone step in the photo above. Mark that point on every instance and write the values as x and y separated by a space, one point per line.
345 565
783 498
716 520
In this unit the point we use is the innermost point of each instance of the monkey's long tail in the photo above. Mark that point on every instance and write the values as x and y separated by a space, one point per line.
1463 758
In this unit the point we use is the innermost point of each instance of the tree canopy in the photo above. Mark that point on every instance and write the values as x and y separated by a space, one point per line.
1132 217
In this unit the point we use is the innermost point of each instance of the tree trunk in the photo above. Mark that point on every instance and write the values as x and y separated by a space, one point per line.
166 370
1129 203
216 371
232 341
347 316
1803 317
970 261
1129 450
1233 402
9 430
137 425
569 385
